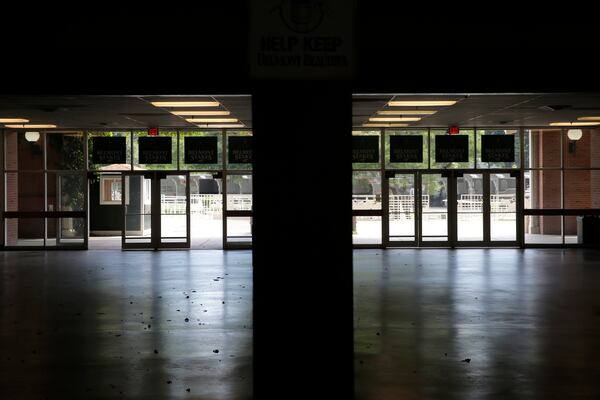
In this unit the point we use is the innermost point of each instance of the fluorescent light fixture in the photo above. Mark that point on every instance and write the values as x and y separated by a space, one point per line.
200 113
589 118
406 112
214 120
574 134
221 126
33 126
383 125
186 103
574 123
421 103
13 120
394 119
32 136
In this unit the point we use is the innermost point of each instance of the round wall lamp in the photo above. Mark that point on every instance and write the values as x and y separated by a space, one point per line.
32 136
574 134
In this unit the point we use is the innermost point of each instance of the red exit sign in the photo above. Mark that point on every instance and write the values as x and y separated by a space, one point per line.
454 130
152 131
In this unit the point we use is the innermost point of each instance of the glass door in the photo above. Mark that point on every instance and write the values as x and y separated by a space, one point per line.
137 210
432 210
156 210
504 187
237 221
402 202
174 199
470 208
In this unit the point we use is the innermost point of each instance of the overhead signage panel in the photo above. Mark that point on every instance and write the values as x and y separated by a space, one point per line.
109 150
453 148
154 150
365 149
498 148
201 150
239 149
406 149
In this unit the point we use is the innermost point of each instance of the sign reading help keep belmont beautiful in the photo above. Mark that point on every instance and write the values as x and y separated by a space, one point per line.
154 150
239 149
498 148
365 149
302 39
451 148
109 150
406 149
201 150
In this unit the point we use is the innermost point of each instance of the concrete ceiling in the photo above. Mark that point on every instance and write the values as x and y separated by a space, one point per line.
485 110
114 112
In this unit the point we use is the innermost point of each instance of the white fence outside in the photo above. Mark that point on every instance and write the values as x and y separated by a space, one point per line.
208 205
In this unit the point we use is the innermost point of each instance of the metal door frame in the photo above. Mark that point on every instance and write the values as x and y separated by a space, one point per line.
227 245
155 211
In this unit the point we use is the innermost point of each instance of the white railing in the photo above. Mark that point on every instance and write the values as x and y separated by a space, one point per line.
405 203
498 202
205 204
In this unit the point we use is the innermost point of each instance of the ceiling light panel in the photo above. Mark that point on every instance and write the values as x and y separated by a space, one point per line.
33 126
211 120
406 112
185 103
13 120
394 119
421 103
191 113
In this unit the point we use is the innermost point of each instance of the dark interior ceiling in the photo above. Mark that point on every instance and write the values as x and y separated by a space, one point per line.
471 110
489 110
115 112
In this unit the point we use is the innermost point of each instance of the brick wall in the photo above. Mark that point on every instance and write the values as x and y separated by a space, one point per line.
12 186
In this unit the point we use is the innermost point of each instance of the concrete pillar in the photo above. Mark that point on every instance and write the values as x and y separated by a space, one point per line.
302 243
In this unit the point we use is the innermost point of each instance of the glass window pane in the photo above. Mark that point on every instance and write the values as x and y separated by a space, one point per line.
366 190
239 229
24 153
582 188
369 165
512 133
239 192
366 230
65 231
573 229
238 166
423 134
583 152
546 229
202 134
66 192
136 151
25 231
109 167
542 148
402 207
25 191
64 150
543 189
452 165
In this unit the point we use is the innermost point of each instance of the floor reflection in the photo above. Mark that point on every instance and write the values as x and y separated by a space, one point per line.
105 324
528 321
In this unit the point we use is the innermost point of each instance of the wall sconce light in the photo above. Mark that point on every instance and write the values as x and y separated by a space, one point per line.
574 135
32 136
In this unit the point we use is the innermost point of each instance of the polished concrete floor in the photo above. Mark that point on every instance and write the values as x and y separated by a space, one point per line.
135 324
528 321
112 324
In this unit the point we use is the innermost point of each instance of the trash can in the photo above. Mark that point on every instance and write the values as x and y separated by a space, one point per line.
590 230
